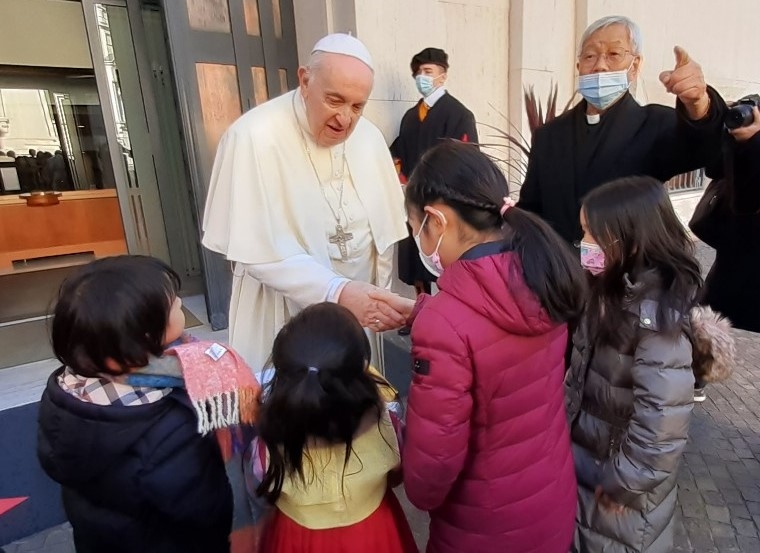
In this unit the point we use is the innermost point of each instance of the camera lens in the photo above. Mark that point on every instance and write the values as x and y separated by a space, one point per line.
739 116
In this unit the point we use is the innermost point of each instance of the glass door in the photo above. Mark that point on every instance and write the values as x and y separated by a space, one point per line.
77 132
52 147
129 145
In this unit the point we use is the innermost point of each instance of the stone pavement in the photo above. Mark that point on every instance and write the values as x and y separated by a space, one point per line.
719 483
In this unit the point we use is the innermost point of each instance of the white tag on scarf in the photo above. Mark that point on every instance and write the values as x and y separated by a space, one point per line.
216 351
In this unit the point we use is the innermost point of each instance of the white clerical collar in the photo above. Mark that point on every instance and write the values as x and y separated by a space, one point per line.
593 118
435 96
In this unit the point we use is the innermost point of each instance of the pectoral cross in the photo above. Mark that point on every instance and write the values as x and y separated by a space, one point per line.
340 238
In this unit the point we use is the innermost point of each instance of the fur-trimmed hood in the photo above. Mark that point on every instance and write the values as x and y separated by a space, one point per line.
713 345
710 333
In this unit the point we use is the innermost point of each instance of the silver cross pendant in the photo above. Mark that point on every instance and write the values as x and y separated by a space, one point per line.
340 238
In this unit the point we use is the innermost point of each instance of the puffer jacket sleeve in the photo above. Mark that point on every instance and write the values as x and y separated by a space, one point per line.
438 416
651 448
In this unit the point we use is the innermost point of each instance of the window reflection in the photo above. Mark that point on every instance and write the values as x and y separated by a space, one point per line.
52 134
104 15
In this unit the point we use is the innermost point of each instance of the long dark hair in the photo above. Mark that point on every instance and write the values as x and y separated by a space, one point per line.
116 309
648 255
320 390
466 180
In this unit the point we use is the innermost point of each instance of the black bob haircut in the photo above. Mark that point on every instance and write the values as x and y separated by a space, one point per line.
114 309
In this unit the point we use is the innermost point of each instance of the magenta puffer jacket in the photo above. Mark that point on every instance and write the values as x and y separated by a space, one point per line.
487 448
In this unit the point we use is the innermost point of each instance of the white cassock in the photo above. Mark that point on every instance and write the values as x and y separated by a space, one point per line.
269 211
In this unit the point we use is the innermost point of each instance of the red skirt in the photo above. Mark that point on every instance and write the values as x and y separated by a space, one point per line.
385 531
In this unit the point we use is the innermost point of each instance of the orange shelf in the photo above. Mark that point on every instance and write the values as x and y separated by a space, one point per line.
31 237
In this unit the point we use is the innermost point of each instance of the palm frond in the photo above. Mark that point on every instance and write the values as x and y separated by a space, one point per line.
510 138
507 147
515 145
512 125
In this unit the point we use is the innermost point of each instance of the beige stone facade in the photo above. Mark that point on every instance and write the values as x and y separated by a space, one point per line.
497 47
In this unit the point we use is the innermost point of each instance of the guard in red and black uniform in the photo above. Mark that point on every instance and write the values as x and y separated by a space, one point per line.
436 116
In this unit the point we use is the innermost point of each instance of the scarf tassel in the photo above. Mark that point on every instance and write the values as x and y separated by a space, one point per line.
226 409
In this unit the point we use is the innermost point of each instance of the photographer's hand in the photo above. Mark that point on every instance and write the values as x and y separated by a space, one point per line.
742 134
687 81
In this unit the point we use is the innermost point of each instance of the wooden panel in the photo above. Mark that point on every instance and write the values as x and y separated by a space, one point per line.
283 73
260 91
219 102
252 24
277 16
73 226
66 195
220 99
209 15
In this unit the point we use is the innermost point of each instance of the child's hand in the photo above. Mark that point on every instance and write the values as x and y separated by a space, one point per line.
606 502
369 305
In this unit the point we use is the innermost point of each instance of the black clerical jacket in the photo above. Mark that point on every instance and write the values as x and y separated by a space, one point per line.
448 118
570 157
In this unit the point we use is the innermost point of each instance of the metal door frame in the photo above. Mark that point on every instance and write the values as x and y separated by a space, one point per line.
120 171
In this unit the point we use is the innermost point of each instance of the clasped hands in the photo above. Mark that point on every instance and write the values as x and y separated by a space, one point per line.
376 308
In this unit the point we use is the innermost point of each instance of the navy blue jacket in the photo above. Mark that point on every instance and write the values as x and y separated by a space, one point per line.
135 479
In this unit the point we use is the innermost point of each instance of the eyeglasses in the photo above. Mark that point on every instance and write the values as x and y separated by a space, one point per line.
614 56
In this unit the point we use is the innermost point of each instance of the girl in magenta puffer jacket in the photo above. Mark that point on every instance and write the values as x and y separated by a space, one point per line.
487 446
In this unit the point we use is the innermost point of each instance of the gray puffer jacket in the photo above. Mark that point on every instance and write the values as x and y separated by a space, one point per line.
629 410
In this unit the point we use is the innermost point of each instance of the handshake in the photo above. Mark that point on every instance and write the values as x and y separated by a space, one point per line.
376 308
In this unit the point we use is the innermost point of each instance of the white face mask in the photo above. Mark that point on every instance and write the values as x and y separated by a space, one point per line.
601 90
431 262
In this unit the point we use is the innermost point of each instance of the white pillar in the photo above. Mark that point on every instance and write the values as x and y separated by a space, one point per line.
542 52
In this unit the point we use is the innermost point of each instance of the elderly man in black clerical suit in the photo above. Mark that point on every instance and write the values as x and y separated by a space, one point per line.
609 135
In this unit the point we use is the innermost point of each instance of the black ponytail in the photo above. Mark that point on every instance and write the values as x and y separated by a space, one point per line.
550 267
320 390
462 177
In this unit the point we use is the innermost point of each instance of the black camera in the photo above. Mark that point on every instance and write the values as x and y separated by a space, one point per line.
740 114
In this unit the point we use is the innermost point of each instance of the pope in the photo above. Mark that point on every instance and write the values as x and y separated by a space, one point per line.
304 200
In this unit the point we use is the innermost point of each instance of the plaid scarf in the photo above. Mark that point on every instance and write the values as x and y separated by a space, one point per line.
225 396
103 390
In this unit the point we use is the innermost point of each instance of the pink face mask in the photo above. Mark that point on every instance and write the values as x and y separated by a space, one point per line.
592 258
431 262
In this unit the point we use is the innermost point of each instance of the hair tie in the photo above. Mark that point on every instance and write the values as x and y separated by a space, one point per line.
508 202
313 370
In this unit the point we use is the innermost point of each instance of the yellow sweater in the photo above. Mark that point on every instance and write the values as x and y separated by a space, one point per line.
332 496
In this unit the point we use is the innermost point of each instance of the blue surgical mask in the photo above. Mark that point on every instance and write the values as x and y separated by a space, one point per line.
431 262
425 84
601 90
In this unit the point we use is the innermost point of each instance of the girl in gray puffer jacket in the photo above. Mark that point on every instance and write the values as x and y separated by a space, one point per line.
629 391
